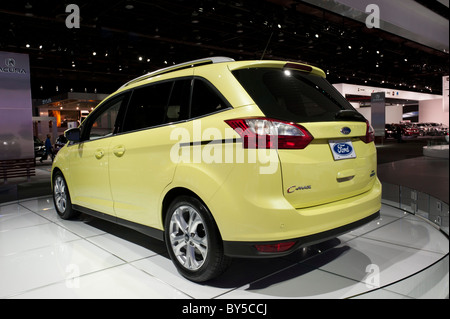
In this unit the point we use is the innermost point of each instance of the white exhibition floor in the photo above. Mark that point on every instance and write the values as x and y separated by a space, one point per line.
41 256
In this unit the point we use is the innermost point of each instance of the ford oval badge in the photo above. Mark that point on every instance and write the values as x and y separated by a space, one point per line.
346 130
342 149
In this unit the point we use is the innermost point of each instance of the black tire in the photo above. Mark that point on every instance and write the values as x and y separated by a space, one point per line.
193 240
61 197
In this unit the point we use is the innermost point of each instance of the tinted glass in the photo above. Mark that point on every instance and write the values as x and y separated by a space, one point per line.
178 107
103 122
293 95
205 99
147 107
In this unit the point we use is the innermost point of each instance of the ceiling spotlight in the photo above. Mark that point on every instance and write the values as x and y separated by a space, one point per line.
94 53
140 58
27 45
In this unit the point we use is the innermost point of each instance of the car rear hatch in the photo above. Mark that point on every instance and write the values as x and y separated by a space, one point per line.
330 154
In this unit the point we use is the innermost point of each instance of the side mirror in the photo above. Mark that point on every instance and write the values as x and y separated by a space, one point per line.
73 134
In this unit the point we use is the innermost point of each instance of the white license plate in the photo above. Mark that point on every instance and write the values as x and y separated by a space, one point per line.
342 149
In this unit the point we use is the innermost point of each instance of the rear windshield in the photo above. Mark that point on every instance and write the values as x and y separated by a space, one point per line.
295 96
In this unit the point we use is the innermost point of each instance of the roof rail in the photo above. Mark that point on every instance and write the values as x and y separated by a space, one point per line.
180 66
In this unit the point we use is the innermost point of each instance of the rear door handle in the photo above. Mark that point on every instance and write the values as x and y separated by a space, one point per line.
119 150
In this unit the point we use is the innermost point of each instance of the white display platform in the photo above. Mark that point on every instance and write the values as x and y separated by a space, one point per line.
41 256
438 151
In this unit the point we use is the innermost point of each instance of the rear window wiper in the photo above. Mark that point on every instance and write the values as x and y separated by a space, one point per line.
344 115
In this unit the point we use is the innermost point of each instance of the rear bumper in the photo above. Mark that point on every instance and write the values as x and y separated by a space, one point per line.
248 249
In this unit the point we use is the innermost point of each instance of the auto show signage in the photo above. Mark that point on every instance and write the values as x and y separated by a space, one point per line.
378 103
10 67
16 125
445 93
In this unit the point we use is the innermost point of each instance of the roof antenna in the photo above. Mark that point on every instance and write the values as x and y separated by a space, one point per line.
267 45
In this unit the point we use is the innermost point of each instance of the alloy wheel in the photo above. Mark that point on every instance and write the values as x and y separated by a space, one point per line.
60 194
188 237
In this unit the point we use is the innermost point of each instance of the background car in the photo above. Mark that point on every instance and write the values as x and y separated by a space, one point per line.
389 131
409 130
432 129
39 148
60 142
405 130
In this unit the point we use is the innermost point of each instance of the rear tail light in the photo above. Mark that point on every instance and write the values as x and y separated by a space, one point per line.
370 134
270 134
275 248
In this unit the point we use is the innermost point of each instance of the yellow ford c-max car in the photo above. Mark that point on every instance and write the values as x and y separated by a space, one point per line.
222 158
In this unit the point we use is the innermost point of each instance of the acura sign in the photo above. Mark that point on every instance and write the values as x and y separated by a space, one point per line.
16 124
10 67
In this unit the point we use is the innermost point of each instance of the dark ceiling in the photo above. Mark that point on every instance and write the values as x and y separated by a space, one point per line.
121 39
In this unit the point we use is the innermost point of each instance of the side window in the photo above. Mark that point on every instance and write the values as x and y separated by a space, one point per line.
178 107
103 123
205 99
147 106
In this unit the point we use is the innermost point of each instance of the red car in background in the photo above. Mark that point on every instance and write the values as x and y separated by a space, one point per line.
406 130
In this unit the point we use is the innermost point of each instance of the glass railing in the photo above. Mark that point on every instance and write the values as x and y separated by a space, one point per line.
412 201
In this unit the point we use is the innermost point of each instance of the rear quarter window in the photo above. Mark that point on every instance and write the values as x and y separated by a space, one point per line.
206 99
